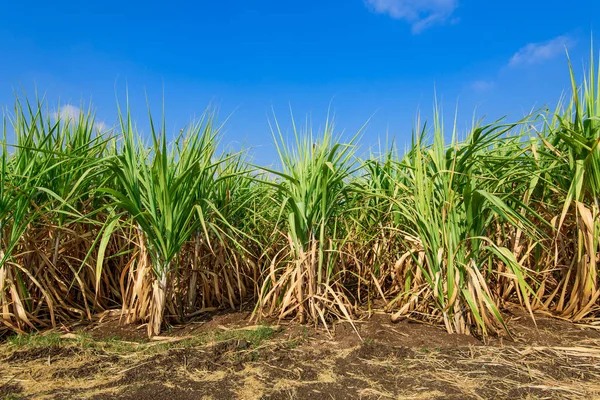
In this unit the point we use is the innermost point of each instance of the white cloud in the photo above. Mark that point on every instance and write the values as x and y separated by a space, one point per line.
71 113
68 112
420 13
483 86
101 126
535 53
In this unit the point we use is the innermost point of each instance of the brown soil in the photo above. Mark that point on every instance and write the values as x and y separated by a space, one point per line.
404 360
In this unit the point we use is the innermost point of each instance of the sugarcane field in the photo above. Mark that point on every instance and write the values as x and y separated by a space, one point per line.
142 257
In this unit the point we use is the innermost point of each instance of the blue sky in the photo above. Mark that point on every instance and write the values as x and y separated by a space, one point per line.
367 58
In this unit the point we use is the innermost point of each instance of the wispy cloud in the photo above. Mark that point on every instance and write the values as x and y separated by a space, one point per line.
483 86
73 114
535 53
68 112
101 126
420 13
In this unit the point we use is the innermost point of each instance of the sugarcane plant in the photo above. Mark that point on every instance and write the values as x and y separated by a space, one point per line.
159 189
311 194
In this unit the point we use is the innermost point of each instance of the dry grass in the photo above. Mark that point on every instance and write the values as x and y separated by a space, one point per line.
314 365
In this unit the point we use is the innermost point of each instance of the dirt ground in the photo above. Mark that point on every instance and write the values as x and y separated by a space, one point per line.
226 356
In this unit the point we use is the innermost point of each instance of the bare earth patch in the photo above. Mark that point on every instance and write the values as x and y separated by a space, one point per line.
226 356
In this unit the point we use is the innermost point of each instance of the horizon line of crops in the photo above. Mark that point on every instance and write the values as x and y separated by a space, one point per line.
452 231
